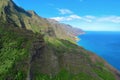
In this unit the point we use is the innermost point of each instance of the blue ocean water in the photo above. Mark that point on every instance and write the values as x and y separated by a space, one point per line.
104 44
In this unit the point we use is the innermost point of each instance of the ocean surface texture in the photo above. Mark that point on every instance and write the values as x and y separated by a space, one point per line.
104 44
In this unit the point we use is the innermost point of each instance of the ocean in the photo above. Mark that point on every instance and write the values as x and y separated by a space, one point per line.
104 44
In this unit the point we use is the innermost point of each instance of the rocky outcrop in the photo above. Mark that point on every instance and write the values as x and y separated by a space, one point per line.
50 53
12 14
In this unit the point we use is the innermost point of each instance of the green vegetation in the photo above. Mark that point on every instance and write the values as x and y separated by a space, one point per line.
50 56
104 74
14 48
96 71
65 75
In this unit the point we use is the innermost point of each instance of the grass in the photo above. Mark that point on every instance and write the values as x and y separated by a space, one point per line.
104 74
65 75
15 44
14 47
14 56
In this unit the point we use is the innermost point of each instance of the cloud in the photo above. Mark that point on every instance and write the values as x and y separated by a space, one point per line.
113 19
65 11
67 18
89 19
58 18
89 22
74 17
107 19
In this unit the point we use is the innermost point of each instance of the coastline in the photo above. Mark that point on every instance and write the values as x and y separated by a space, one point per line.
103 49
77 39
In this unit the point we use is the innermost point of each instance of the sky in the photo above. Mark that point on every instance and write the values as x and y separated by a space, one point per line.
89 15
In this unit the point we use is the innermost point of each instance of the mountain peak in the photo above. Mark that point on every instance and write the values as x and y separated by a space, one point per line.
3 3
49 51
32 12
6 4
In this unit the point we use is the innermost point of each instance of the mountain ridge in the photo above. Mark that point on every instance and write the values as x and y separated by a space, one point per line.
36 48
31 21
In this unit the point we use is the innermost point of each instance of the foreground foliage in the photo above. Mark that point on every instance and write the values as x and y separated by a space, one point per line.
14 49
15 45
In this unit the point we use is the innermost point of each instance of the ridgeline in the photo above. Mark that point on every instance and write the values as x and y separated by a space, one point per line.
36 48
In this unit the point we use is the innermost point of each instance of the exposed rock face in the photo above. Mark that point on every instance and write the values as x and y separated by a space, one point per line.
48 60
10 13
51 53
64 30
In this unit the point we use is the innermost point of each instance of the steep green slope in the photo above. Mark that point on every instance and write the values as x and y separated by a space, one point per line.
14 51
46 52
25 55
62 60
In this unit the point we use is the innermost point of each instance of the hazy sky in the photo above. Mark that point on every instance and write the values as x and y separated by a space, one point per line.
98 15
